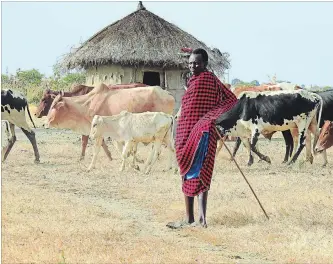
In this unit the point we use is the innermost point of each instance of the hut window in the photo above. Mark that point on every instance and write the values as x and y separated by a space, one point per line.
151 78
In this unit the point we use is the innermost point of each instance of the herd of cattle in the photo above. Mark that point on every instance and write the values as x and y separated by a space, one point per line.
136 113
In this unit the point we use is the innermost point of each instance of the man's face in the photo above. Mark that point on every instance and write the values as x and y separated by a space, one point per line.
196 64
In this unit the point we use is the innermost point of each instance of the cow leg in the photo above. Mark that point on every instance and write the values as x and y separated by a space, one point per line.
294 134
299 147
9 137
288 139
127 148
106 150
134 151
309 156
247 145
260 155
157 150
254 140
236 147
84 143
97 148
139 160
172 156
324 158
32 139
313 127
11 142
157 146
150 157
302 127
120 146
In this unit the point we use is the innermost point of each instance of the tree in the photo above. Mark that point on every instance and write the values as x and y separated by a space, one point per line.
31 77
255 83
72 78
63 79
4 78
235 81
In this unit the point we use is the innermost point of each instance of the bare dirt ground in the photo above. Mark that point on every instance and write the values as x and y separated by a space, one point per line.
56 212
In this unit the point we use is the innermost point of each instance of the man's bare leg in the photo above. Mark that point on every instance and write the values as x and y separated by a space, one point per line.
189 204
202 202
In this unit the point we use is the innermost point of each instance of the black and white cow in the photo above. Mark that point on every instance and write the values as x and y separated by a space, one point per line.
266 112
13 105
327 115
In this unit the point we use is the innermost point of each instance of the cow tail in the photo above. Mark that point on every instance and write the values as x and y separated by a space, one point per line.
172 134
320 106
30 116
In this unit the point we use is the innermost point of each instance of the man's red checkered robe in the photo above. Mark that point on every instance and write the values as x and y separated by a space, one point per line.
204 101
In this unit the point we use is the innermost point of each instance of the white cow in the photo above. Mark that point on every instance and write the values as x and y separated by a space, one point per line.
147 127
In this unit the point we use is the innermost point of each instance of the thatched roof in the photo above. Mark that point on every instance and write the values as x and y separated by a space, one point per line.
141 38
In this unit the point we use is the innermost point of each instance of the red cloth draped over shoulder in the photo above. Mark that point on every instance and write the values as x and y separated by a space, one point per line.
205 99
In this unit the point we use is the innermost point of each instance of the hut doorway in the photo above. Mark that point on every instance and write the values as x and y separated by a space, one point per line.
151 78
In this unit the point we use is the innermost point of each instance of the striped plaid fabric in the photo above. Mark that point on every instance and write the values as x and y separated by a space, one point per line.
204 101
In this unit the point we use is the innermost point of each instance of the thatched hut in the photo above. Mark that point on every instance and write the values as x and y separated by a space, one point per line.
141 47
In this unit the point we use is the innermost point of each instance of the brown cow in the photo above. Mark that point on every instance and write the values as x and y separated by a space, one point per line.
80 89
262 88
76 113
49 95
325 140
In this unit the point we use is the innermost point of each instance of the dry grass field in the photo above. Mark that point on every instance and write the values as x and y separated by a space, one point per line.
56 212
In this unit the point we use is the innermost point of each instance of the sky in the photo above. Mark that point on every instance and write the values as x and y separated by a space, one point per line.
293 40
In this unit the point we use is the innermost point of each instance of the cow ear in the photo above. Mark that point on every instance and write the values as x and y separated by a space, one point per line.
100 120
60 104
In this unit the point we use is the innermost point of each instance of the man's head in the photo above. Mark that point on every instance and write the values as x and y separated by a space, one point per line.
198 61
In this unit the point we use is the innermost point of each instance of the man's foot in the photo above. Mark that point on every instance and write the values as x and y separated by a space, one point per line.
180 224
204 225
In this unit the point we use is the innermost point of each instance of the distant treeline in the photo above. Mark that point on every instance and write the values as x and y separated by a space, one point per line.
32 83
237 82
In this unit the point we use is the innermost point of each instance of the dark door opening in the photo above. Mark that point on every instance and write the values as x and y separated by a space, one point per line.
151 78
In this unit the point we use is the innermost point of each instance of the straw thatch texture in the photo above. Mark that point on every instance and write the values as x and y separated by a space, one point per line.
141 38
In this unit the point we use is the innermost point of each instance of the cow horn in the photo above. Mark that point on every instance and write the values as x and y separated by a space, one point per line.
62 93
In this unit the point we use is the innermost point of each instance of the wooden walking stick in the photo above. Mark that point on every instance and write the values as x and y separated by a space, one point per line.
262 208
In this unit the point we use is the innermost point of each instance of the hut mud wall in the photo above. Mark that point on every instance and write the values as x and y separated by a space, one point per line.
175 85
171 80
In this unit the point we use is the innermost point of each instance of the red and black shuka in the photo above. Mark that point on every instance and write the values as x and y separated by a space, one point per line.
204 101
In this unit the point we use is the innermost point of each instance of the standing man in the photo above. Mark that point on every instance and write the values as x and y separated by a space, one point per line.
205 99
